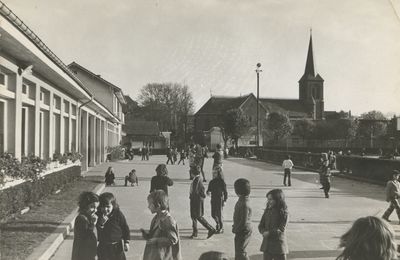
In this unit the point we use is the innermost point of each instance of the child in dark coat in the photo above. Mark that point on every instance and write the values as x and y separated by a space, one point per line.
161 181
112 229
85 244
109 177
132 178
219 195
242 219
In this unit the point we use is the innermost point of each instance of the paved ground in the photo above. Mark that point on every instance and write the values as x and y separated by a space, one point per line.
315 224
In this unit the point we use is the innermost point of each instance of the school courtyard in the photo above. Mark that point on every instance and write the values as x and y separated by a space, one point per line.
315 225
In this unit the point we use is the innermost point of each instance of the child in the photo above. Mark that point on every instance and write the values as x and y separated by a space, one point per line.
217 156
132 178
197 196
272 226
85 243
287 166
182 157
392 194
369 238
109 177
163 237
112 229
242 219
161 181
219 195
325 174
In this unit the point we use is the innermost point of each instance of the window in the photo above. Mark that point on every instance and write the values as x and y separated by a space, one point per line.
2 79
24 88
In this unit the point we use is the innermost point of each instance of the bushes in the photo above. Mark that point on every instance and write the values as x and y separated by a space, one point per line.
28 169
30 192
116 152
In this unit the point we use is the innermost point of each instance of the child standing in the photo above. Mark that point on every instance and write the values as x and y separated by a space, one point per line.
197 196
85 244
161 181
242 219
325 174
162 240
392 194
287 167
109 177
219 195
182 157
112 229
273 225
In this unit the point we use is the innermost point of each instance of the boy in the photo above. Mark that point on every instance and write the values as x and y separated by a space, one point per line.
197 195
242 219
287 166
132 178
392 194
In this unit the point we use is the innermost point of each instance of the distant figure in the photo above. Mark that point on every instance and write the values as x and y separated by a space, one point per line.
161 181
182 157
325 174
370 238
147 154
217 156
392 195
175 155
219 195
109 176
192 162
213 255
332 161
287 168
143 153
132 178
169 156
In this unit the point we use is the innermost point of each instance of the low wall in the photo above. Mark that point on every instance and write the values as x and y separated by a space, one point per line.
17 197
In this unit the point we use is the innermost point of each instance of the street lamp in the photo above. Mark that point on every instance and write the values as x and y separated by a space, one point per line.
258 70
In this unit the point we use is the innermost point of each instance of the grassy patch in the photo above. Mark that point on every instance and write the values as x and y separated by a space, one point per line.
21 234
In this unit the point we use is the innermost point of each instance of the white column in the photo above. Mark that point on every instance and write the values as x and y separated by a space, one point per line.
51 125
18 116
5 141
62 127
70 126
37 122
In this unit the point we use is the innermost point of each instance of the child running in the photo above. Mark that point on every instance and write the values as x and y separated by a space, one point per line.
162 240
273 225
85 242
242 219
112 229
219 195
109 177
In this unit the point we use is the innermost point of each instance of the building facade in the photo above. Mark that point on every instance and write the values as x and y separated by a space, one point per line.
45 109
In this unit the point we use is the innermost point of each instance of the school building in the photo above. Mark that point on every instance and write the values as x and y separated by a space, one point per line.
48 108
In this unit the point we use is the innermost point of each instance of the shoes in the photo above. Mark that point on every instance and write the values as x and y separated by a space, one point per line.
327 196
290 185
284 184
211 232
194 234
220 231
204 180
321 188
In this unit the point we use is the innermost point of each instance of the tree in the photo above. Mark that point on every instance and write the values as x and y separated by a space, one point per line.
234 125
372 124
278 127
304 128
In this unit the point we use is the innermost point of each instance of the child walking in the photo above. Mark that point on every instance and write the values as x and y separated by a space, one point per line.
162 240
219 195
287 167
109 177
85 242
392 194
273 225
242 219
197 196
182 157
112 229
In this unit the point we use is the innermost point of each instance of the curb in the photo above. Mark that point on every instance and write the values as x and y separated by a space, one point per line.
49 246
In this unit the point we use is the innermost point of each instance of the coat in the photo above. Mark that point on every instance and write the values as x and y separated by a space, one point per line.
85 242
275 223
197 195
164 228
392 190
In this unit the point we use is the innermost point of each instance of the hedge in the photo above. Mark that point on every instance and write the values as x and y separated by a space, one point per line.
15 198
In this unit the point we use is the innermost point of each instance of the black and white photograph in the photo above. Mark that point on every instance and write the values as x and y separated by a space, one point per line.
199 130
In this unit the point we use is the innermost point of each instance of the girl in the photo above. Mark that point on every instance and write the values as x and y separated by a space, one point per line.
219 195
84 247
272 227
325 174
370 238
109 177
161 181
112 229
163 237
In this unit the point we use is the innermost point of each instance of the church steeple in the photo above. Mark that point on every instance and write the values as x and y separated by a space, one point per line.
309 71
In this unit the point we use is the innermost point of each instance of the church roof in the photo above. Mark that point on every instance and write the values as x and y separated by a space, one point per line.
309 71
294 108
220 104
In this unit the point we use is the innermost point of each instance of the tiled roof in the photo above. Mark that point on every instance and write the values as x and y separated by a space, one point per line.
142 128
220 104
294 107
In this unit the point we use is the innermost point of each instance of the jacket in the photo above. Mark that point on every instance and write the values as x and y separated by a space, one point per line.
392 190
275 223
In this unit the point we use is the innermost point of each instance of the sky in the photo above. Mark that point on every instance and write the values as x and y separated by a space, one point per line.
213 46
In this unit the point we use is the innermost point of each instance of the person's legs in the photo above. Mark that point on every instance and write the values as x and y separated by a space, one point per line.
327 187
126 180
389 211
241 242
289 177
194 228
284 177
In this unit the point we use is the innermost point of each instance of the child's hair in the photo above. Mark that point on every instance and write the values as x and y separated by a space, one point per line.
213 255
159 199
288 157
395 172
196 170
109 170
279 198
85 199
162 170
218 146
242 187
108 198
370 238
218 171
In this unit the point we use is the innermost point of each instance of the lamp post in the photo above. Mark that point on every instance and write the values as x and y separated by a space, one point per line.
258 70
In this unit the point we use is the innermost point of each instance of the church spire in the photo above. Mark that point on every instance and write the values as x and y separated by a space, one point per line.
309 71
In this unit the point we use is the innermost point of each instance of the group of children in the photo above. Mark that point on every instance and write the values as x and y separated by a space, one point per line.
130 178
